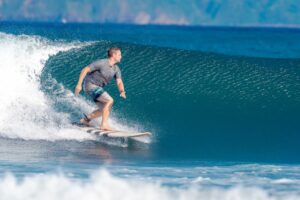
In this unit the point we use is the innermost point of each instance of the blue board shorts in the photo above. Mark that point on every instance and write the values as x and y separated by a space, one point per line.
95 93
98 94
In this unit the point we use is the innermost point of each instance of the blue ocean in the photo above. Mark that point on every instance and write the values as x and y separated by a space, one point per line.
222 104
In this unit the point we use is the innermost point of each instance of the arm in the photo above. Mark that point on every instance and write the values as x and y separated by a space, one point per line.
83 73
121 88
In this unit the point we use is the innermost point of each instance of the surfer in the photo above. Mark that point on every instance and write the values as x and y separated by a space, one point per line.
97 75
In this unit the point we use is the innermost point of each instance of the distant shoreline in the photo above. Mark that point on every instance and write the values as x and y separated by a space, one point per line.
189 27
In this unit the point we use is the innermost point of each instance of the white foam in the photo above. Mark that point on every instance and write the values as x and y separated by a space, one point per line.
25 111
102 185
285 181
201 179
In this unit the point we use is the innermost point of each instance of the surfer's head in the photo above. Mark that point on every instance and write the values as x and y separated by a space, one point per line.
115 54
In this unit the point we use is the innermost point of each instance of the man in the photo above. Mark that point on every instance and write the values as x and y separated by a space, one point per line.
99 74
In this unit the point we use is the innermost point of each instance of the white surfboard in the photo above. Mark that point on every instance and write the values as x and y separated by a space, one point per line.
144 137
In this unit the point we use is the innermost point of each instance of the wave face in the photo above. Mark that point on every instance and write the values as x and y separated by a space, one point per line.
199 105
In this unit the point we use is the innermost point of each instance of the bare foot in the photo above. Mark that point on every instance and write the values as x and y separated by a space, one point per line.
84 121
106 128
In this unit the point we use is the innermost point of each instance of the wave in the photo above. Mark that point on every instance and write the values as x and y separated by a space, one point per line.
103 185
207 101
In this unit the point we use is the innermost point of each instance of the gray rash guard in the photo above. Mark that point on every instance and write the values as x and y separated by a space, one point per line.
102 73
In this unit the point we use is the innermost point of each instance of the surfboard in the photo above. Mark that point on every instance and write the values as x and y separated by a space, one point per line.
144 137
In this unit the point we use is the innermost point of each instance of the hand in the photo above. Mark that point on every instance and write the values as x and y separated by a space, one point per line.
123 95
77 89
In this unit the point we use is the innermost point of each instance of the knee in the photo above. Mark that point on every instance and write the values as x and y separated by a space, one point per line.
110 102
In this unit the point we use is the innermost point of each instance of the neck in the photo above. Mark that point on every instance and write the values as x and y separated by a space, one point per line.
111 61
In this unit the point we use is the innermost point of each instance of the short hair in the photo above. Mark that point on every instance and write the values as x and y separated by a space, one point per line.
112 51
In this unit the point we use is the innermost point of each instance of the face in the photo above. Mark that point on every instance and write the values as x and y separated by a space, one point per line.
117 56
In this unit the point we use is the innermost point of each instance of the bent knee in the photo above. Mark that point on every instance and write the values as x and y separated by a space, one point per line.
110 102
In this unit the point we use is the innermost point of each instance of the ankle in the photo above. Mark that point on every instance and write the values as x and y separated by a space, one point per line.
87 118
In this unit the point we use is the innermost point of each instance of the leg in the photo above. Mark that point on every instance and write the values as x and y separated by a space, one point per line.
105 102
89 88
106 111
95 114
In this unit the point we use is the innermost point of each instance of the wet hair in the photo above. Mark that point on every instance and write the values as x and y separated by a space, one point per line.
112 50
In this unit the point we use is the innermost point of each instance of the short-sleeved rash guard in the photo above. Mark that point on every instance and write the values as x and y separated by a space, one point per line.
102 73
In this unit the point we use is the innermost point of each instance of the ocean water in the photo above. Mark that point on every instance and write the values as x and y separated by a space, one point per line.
223 105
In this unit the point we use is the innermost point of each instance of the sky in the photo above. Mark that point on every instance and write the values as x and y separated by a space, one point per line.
168 12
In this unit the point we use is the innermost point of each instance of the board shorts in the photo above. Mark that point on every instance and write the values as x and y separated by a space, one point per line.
97 94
